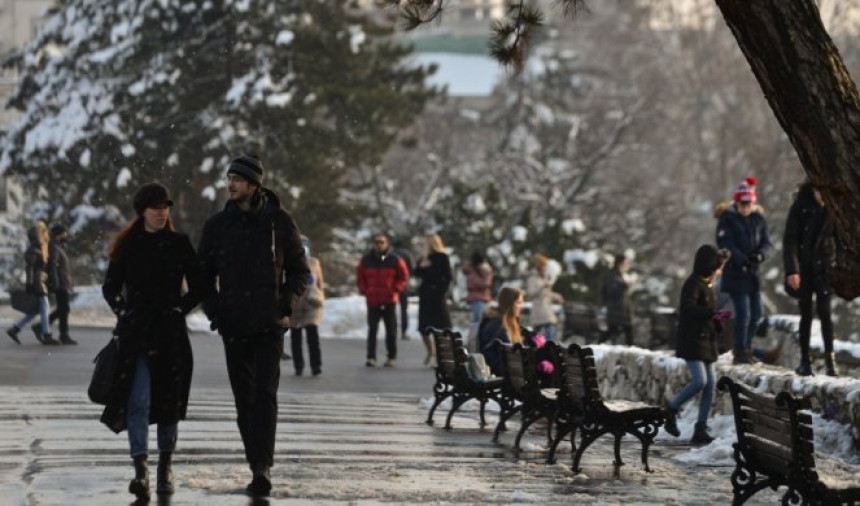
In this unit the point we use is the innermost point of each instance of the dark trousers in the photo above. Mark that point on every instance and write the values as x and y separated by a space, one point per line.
389 319
313 348
254 368
61 312
822 303
404 312
616 329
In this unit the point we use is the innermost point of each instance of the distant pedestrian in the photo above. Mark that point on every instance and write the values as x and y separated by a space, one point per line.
808 252
254 269
539 290
434 270
403 252
742 230
307 317
381 276
144 287
36 266
60 276
616 298
697 339
479 285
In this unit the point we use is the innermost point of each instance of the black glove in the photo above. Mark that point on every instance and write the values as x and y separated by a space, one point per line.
213 324
756 258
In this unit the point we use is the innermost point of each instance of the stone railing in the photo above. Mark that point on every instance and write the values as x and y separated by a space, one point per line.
653 376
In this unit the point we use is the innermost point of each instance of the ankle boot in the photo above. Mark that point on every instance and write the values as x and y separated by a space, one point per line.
805 368
65 339
139 486
700 434
671 424
431 348
13 334
48 340
261 483
164 474
830 364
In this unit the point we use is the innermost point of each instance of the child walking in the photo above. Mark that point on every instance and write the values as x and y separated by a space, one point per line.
698 327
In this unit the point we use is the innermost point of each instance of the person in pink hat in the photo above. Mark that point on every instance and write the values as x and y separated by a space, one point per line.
742 230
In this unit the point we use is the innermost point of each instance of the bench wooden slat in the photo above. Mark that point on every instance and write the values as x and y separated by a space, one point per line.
775 443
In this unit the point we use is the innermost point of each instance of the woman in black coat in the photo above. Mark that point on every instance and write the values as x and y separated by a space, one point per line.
143 286
808 249
36 267
435 273
697 339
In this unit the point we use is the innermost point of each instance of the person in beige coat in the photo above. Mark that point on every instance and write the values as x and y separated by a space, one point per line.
307 316
539 289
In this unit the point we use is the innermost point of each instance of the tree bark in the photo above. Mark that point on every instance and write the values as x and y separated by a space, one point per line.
815 100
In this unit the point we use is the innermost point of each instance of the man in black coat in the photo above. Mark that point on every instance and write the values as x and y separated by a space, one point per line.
60 281
254 268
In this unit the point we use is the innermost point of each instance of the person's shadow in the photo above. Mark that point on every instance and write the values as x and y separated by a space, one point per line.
162 500
258 501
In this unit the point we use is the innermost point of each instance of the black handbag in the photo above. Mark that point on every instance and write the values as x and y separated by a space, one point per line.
104 373
24 301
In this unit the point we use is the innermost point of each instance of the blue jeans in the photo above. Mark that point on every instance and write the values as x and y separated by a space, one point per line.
43 314
702 379
547 330
747 315
476 310
137 415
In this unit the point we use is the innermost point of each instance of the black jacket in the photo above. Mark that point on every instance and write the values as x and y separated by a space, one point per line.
616 297
144 288
35 266
435 280
697 329
253 266
60 273
808 246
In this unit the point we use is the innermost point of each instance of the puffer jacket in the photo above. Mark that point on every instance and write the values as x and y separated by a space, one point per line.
381 278
257 262
697 329
743 237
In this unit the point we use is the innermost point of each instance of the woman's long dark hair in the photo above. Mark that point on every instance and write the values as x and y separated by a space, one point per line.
120 238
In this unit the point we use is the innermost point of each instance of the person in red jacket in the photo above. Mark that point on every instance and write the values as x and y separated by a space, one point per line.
381 276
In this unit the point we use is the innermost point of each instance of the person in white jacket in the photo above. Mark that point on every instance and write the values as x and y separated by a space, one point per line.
539 291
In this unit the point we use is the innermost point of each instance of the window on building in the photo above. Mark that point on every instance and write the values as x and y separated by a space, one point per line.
4 194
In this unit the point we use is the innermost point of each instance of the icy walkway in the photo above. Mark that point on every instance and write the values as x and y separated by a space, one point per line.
331 449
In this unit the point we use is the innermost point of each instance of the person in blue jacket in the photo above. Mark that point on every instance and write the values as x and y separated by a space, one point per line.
742 230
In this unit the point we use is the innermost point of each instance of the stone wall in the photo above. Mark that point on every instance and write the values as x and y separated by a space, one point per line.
654 376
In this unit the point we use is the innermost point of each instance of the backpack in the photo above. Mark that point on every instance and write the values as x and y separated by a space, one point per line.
478 369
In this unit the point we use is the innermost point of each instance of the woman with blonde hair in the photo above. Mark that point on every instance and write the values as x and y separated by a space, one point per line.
434 270
539 291
36 267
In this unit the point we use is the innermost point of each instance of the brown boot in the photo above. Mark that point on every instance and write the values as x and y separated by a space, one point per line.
164 474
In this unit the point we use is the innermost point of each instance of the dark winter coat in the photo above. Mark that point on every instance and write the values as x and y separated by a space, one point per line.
808 246
35 266
254 268
381 278
743 237
489 331
479 282
697 329
144 288
616 296
407 260
60 273
433 292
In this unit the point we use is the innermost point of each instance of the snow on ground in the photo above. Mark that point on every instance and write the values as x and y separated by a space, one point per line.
344 317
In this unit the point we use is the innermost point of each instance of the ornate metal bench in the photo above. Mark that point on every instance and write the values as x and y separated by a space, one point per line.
775 449
580 406
452 379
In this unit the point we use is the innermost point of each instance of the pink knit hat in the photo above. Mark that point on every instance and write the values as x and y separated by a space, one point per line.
746 190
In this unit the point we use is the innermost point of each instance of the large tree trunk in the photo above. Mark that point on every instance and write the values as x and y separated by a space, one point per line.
816 102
